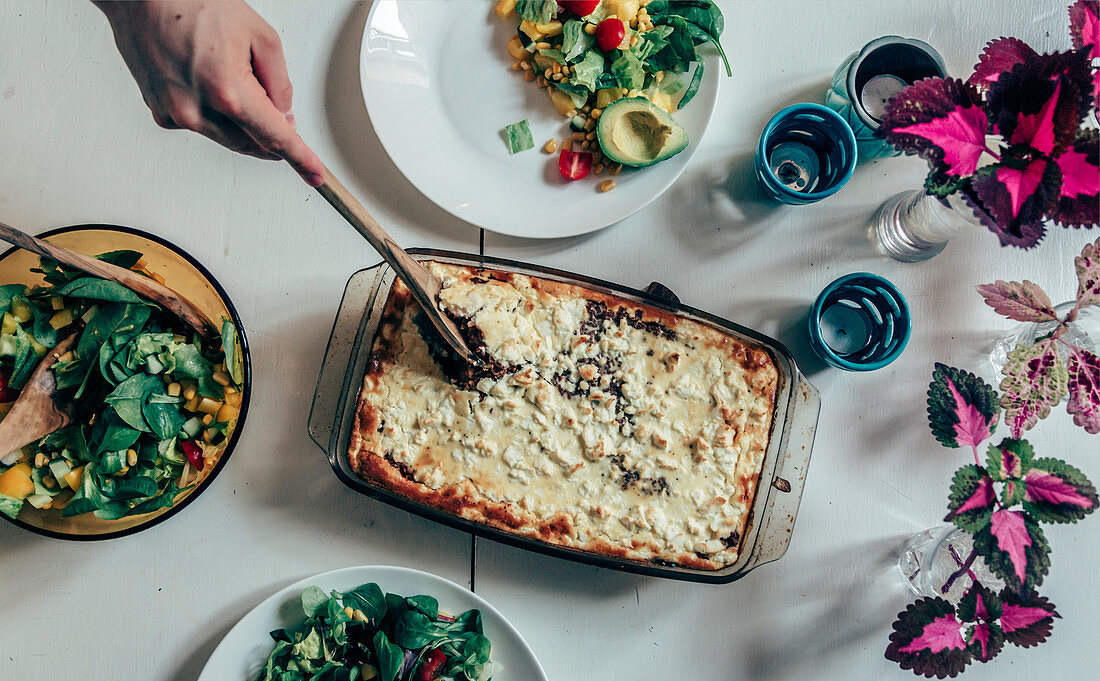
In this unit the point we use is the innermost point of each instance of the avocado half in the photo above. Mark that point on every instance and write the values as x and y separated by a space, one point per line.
636 132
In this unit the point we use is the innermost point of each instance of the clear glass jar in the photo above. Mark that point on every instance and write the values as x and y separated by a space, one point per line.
934 564
914 225
1084 332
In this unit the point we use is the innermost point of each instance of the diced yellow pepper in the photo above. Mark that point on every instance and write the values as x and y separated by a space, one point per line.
608 95
39 349
226 414
233 399
550 28
9 325
57 303
209 406
74 478
516 48
530 29
16 481
562 101
61 319
21 310
192 404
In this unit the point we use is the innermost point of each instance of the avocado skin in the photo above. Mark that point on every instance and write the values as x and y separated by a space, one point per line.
615 110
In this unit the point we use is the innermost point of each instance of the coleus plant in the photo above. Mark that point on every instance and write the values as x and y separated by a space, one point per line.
1001 503
1039 375
1010 139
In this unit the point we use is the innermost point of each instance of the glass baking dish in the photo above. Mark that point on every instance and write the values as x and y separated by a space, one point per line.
771 519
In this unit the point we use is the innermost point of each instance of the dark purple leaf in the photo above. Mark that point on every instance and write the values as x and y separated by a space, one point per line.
1014 548
1025 236
1026 619
1018 193
972 497
1056 492
1083 369
962 408
1079 195
1010 459
940 120
1084 27
999 56
928 639
1023 301
1041 101
1035 378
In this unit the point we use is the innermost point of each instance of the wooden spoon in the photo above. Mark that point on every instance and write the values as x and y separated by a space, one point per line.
141 285
424 285
35 414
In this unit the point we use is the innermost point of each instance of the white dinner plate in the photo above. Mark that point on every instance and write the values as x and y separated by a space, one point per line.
439 88
244 651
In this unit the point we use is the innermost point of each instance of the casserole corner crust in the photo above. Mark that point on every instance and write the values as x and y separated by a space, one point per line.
600 424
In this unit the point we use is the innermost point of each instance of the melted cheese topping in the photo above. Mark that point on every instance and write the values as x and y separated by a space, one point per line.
642 434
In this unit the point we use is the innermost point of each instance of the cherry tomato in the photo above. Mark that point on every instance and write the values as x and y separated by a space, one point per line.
610 34
429 666
573 165
193 452
6 393
581 8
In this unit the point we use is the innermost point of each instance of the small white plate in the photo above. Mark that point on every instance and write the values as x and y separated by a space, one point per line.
244 651
439 88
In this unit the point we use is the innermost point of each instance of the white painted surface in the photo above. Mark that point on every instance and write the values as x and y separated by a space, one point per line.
77 145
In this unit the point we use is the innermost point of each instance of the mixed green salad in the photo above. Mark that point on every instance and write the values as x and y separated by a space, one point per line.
618 69
367 634
152 402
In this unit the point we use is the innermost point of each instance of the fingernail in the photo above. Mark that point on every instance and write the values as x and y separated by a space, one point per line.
315 179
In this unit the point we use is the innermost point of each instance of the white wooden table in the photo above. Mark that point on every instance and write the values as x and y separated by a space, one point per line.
77 145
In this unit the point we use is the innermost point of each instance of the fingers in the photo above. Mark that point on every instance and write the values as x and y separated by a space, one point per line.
269 66
178 110
228 134
258 116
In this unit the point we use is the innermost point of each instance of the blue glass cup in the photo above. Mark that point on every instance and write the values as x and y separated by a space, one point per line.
806 153
860 322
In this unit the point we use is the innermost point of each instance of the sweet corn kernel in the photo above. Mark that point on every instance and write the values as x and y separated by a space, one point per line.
174 389
551 146
222 378
189 392
607 185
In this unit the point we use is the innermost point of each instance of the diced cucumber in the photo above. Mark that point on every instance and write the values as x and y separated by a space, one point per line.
577 124
8 345
153 365
38 500
191 427
59 468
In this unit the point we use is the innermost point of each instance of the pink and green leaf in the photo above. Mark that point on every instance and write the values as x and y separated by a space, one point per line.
1083 369
1026 619
1035 378
1041 101
1018 193
972 499
1056 492
1078 202
940 120
1014 548
962 408
929 640
999 56
982 609
1010 459
1024 301
1088 275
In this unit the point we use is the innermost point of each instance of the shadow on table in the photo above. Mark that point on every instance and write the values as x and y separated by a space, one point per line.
865 591
375 177
222 622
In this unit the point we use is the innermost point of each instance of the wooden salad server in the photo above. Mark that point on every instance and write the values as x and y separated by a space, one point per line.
35 414
424 285
139 284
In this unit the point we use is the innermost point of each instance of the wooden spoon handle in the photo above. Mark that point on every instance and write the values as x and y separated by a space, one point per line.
141 285
424 285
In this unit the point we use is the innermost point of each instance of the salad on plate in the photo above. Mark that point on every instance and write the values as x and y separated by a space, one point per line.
152 402
366 634
618 70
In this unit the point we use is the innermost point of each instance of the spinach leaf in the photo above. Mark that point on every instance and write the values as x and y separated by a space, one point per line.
114 434
537 11
678 54
162 415
8 292
575 42
606 80
703 18
313 601
191 364
415 630
310 646
390 657
129 397
700 35
114 318
693 86
470 621
368 598
163 500
233 362
44 332
427 605
25 360
98 289
628 71
133 487
113 462
588 70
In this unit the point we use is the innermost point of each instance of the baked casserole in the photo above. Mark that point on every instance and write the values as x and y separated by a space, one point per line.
594 423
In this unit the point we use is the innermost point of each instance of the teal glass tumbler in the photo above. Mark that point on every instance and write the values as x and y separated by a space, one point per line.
860 322
865 82
805 154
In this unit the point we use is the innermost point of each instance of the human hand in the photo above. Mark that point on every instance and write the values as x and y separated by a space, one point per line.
216 68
